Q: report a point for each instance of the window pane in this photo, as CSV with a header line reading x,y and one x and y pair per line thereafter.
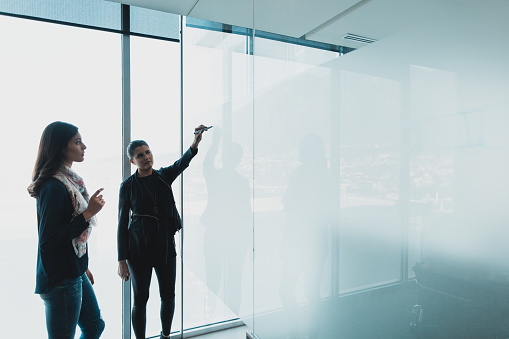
x,y
53,72
155,104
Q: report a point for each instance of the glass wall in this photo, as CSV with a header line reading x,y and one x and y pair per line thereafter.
x,y
295,175
53,72
409,142
370,236
458,163
218,185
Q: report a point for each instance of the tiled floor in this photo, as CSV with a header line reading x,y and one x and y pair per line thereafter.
x,y
233,333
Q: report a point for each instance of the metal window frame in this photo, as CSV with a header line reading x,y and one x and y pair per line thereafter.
x,y
97,28
126,139
181,28
254,33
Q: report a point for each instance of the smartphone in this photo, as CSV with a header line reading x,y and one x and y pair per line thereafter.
x,y
203,129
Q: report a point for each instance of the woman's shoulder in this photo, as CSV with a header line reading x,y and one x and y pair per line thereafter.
x,y
52,188
53,184
127,182
162,174
128,179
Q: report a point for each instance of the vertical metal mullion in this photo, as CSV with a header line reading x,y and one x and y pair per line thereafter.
x,y
404,182
182,176
337,105
126,138
252,51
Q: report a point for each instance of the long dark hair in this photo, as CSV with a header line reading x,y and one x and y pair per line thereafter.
x,y
50,156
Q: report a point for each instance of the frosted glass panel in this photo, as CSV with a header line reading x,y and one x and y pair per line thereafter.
x,y
370,238
295,199
218,241
414,132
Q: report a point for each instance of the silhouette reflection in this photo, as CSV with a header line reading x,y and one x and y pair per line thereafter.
x,y
308,207
227,219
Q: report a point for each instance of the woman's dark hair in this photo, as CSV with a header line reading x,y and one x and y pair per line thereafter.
x,y
50,156
133,145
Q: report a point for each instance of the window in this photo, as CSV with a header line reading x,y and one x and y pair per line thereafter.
x,y
54,72
155,118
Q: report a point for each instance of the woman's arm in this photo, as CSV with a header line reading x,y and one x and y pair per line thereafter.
x,y
54,207
172,172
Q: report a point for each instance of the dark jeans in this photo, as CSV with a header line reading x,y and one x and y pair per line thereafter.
x,y
141,274
72,303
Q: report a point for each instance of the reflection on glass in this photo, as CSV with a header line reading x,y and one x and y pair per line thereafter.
x,y
308,206
423,147
217,186
292,192
227,220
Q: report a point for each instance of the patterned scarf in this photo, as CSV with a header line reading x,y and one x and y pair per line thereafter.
x,y
79,197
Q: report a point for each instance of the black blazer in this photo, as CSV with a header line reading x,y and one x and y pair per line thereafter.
x,y
56,260
141,231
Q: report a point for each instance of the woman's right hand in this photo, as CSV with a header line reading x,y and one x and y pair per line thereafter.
x,y
123,270
95,204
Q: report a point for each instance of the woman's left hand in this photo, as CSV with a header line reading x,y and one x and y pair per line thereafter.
x,y
90,276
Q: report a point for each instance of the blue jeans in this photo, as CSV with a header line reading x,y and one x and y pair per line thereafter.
x,y
72,303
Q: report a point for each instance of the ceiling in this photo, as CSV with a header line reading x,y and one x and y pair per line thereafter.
x,y
325,21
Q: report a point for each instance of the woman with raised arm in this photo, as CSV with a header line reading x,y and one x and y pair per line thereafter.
x,y
147,222
65,214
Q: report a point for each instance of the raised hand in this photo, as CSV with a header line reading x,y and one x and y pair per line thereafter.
x,y
198,136
95,204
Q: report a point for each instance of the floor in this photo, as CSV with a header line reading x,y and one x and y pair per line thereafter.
x,y
374,314
381,313
233,333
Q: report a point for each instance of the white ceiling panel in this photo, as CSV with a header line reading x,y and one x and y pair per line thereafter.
x,y
322,20
182,7
292,18
231,12
378,20
296,18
